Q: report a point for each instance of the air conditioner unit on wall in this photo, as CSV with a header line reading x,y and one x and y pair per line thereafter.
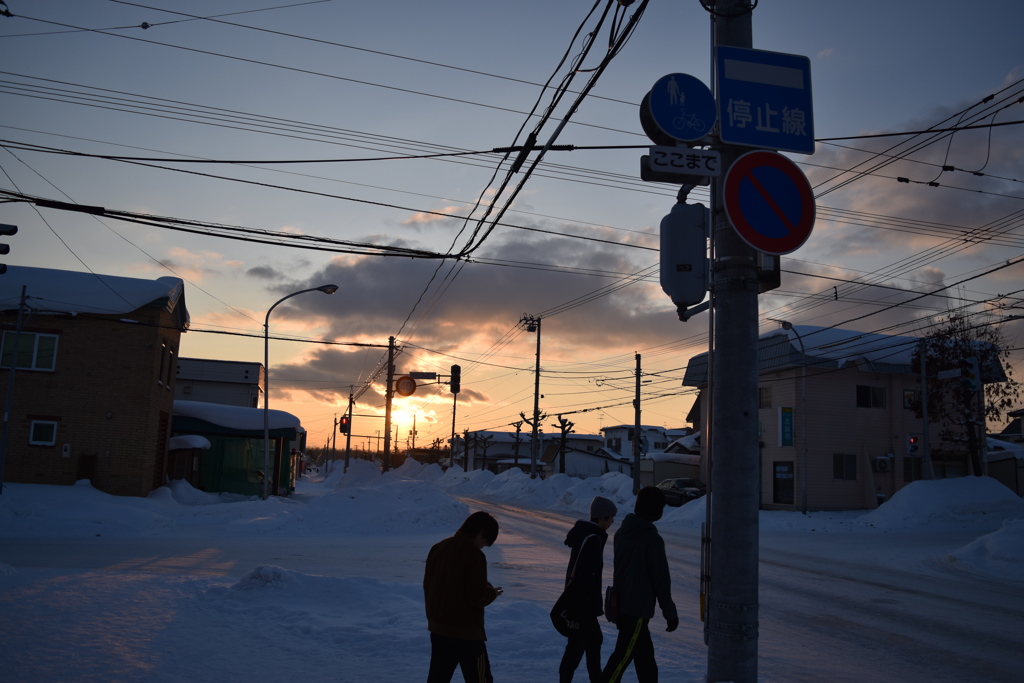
x,y
881,464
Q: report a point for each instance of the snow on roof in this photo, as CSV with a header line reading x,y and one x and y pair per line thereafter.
x,y
1003,450
235,417
690,442
845,346
188,441
65,291
630,426
683,458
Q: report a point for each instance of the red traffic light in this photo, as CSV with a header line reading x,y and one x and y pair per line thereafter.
x,y
343,424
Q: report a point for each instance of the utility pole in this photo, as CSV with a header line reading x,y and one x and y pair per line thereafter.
x,y
388,395
732,631
10,387
348,436
334,444
533,325
636,431
926,454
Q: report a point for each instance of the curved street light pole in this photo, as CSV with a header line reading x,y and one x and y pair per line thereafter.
x,y
326,289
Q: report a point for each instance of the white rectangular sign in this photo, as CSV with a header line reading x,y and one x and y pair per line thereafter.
x,y
685,161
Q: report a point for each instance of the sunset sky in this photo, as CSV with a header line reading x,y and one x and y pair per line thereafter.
x,y
344,91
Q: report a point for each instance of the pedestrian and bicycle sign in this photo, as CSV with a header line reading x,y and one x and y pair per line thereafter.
x,y
764,99
680,107
769,202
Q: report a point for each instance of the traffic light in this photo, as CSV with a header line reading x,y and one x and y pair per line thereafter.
x,y
344,424
913,442
6,248
972,376
456,381
684,271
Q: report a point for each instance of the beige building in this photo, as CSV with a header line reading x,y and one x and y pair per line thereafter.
x,y
863,438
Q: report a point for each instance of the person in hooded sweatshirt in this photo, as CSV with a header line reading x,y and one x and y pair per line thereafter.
x,y
641,577
586,565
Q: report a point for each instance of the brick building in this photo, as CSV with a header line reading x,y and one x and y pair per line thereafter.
x,y
93,385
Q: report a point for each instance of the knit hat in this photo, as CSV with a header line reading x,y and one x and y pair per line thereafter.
x,y
650,503
602,507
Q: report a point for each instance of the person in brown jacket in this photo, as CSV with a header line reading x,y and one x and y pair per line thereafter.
x,y
455,592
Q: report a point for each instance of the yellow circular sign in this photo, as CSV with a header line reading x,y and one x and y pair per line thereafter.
x,y
405,386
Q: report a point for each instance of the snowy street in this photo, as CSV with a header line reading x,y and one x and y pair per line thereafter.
x,y
186,585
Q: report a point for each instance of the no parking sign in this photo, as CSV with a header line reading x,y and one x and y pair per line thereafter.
x,y
769,202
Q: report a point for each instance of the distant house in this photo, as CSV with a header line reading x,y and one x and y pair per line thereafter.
x,y
619,438
859,418
497,451
93,360
234,383
585,456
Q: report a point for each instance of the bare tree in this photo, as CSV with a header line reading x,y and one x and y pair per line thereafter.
x,y
969,382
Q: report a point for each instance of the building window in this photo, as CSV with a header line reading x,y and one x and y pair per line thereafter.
x,y
166,365
764,397
911,398
870,397
844,466
42,433
35,351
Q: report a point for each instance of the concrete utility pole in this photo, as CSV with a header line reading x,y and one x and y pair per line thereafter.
x,y
348,436
733,608
533,325
388,395
637,433
10,387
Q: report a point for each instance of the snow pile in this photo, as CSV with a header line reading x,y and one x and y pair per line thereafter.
x,y
970,503
1000,553
614,486
36,510
459,482
389,505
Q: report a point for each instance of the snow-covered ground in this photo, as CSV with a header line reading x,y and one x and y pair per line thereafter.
x,y
325,585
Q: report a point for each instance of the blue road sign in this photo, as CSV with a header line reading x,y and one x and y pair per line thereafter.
x,y
682,107
764,99
769,202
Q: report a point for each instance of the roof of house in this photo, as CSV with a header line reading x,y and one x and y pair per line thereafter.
x,y
631,426
825,347
64,291
206,418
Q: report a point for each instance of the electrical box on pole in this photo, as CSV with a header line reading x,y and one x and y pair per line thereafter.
x,y
684,263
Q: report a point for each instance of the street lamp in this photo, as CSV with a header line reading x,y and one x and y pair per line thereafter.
x,y
326,289
788,326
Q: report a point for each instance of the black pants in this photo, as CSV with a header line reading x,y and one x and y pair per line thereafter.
x,y
633,644
470,655
589,643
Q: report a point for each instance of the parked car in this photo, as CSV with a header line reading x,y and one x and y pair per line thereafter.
x,y
682,490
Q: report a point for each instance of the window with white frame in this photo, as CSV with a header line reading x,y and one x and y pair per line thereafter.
x,y
35,351
42,433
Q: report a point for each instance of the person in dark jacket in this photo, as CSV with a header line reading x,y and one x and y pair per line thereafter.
x,y
455,593
641,577
586,565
